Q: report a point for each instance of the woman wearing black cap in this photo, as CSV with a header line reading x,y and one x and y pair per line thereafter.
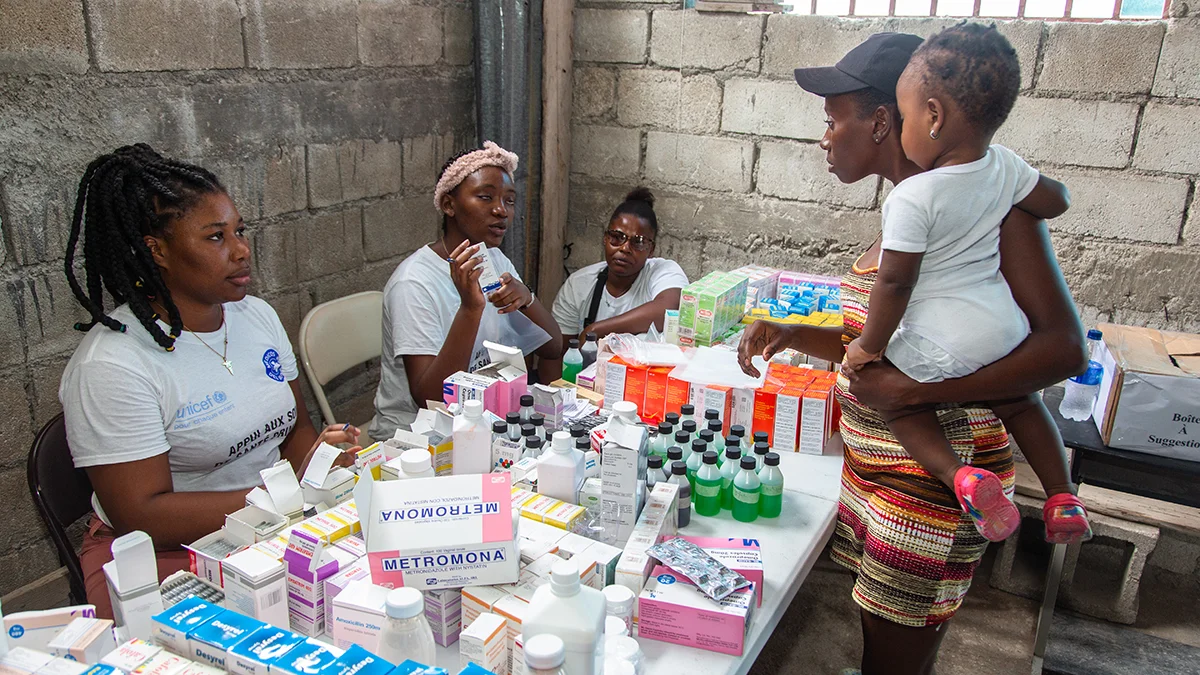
x,y
907,586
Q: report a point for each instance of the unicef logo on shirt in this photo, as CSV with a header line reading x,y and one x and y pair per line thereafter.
x,y
271,361
219,396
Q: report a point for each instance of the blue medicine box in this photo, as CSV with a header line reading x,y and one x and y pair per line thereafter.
x,y
210,644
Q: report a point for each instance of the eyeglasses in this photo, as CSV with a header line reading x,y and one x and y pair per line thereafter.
x,y
617,239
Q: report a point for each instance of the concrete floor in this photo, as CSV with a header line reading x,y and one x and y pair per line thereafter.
x,y
991,635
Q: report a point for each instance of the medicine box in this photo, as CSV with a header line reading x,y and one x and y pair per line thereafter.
x,y
210,642
256,585
452,532
163,663
513,610
194,668
86,639
171,628
358,615
103,669
359,661
411,667
443,610
255,654
61,666
358,570
23,661
743,556
307,658
658,520
130,655
477,600
671,609
485,642
36,629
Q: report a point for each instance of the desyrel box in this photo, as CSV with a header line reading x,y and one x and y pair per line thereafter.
x,y
307,658
210,643
255,654
358,661
171,628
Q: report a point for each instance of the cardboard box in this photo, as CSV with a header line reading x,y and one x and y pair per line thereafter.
x,y
359,661
1150,393
508,370
485,642
36,629
162,664
256,585
256,654
743,556
477,600
654,408
306,658
60,666
461,387
23,661
357,571
129,655
513,610
86,639
658,520
170,628
358,615
622,479
210,643
671,609
615,372
816,418
549,401
309,563
719,398
443,610
786,434
445,532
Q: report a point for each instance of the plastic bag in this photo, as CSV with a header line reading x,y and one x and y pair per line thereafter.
x,y
635,350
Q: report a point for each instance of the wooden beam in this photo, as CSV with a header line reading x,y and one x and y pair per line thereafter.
x,y
558,24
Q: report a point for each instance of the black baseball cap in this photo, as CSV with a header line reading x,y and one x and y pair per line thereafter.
x,y
876,63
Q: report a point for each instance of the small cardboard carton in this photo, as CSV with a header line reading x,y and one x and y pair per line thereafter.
x,y
444,532
671,609
1150,393
510,374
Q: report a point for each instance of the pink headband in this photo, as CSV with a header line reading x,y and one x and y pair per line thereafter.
x,y
490,155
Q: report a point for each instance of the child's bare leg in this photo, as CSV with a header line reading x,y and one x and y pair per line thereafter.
x,y
921,436
1030,423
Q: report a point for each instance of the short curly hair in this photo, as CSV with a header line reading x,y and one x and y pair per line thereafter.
x,y
976,67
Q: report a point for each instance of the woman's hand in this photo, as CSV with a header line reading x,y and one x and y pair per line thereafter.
x,y
762,338
464,272
857,357
883,386
336,434
513,296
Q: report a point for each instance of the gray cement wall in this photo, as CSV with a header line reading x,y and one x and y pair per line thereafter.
x,y
704,109
327,119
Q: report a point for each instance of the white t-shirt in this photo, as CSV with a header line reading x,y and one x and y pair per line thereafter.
x,y
419,304
126,398
575,297
953,214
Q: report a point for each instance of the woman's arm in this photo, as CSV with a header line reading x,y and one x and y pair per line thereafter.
x,y
1054,350
426,373
639,319
303,440
764,338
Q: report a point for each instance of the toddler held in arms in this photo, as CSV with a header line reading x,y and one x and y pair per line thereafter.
x,y
940,308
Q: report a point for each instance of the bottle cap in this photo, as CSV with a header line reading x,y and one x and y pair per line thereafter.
x,y
654,461
533,442
614,625
732,440
473,409
699,445
618,599
544,652
591,337
664,428
706,435
528,430
415,461
526,401
674,453
583,444
748,463
687,409
626,409
760,437
1095,334
682,437
678,468
732,453
538,419
513,418
772,459
715,426
405,603
499,427
561,442
737,430
564,578
710,457
711,414
672,418
573,343
578,431
761,448
689,426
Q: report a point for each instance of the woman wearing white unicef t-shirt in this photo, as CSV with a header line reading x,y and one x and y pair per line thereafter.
x,y
637,289
177,398
435,316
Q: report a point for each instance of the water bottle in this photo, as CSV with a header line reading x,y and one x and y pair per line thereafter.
x,y
572,362
1082,389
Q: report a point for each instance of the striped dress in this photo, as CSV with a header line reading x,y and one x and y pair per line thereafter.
x,y
899,528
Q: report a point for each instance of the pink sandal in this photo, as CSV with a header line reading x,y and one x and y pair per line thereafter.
x,y
1066,519
981,495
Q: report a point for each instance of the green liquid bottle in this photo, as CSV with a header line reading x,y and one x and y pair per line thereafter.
x,y
695,460
760,451
572,362
718,443
731,443
689,426
746,492
707,494
674,454
770,504
662,441
729,470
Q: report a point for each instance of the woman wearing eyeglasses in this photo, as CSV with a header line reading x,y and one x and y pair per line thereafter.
x,y
630,290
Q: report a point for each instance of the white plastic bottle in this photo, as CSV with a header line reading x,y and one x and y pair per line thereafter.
x,y
627,411
406,633
573,612
620,602
472,441
1082,389
415,463
544,655
560,471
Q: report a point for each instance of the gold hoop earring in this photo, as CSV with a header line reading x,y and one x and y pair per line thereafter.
x,y
933,134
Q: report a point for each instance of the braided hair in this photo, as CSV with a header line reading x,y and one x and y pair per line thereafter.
x,y
123,197
446,167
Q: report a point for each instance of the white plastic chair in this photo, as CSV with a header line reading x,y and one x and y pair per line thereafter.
x,y
337,335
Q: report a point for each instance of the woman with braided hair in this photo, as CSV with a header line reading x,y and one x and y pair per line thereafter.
x,y
185,390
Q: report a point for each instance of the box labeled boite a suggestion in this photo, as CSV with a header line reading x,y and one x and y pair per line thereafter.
x,y
443,532
1150,394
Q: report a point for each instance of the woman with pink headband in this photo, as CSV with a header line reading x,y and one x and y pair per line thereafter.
x,y
435,315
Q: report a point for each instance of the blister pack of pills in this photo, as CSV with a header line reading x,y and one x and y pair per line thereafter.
x,y
709,574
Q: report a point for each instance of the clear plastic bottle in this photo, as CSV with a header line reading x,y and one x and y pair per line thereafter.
x,y
533,446
682,440
577,431
747,491
538,421
544,655
718,441
1082,389
729,470
687,411
770,502
689,428
672,419
415,463
674,454
761,437
684,501
590,349
513,420
708,486
406,633
572,612
572,361
760,453
654,473
731,441
526,410
707,436
472,441
695,460
711,415
662,440
737,430
560,471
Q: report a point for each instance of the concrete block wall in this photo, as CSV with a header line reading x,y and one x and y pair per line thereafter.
x,y
704,109
327,119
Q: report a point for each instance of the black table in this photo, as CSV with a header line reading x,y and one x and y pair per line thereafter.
x,y
1093,463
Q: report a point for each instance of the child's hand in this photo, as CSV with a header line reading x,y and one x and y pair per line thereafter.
x,y
857,357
